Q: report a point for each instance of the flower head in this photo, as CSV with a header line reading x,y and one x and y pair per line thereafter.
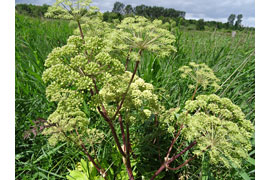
x,y
138,33
218,125
201,74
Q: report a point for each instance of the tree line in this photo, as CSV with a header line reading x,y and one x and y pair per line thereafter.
x,y
148,11
167,15
32,10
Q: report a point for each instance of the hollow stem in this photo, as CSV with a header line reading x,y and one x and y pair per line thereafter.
x,y
196,88
128,165
101,171
80,28
127,59
167,162
125,94
122,130
173,141
108,120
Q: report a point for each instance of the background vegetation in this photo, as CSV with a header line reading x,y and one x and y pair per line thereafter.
x,y
120,11
232,59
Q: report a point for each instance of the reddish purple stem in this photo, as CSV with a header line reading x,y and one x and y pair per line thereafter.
x,y
166,163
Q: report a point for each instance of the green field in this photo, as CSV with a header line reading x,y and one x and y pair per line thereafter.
x,y
232,60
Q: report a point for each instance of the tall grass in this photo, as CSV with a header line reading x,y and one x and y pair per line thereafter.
x,y
231,58
35,38
233,62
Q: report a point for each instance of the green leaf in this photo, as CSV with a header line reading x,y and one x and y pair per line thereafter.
x,y
205,178
251,161
244,175
252,152
49,153
77,175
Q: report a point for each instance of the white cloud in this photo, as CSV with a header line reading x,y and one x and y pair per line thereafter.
x,y
203,16
250,21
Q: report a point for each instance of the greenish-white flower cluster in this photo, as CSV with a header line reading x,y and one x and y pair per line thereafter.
x,y
140,99
138,33
72,10
201,75
94,26
218,125
169,118
70,72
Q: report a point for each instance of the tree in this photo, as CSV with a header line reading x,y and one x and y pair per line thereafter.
x,y
118,7
111,16
156,12
182,22
200,24
140,10
182,14
129,9
219,25
231,19
32,10
238,21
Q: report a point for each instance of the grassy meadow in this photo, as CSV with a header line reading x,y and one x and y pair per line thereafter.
x,y
232,60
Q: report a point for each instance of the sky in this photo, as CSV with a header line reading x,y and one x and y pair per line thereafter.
x,y
217,10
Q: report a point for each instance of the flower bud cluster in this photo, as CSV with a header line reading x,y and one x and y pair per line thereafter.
x,y
70,72
71,10
140,99
201,74
218,125
85,65
138,33
169,117
93,136
66,117
94,26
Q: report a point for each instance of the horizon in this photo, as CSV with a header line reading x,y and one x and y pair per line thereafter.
x,y
198,10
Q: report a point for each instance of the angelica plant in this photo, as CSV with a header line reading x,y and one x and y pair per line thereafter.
x,y
213,126
83,71
89,72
